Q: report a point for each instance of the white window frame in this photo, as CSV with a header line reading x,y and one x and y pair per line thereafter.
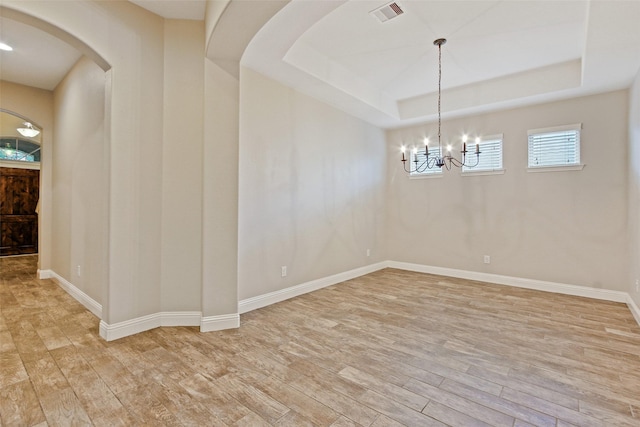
x,y
471,147
556,167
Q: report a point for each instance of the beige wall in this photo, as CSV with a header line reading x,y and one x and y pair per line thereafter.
x,y
181,271
634,190
311,188
220,193
80,180
566,227
37,105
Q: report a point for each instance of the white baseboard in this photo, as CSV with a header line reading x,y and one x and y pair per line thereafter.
x,y
180,318
540,285
634,308
128,327
219,323
84,299
44,274
260,301
145,323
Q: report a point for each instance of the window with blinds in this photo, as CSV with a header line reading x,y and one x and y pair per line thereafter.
x,y
490,155
422,157
554,147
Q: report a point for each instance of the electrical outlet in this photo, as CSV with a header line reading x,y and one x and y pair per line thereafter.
x,y
78,271
637,285
487,259
368,252
283,271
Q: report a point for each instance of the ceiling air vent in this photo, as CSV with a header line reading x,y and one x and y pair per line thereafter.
x,y
387,12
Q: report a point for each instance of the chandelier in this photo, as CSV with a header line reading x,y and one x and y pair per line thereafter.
x,y
438,160
28,130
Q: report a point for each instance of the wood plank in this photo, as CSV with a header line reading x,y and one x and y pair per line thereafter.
x,y
451,417
19,405
262,404
397,411
309,408
12,369
63,408
45,376
550,408
451,400
391,391
498,403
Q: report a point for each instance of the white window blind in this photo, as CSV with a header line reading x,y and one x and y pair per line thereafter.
x,y
559,146
422,157
490,155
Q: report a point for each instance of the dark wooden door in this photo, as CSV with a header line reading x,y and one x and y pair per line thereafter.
x,y
19,192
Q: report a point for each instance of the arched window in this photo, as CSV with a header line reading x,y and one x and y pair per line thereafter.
x,y
18,149
20,141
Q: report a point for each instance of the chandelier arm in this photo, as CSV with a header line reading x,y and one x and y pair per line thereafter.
x,y
455,162
433,161
446,162
430,162
477,161
404,164
426,164
419,168
459,163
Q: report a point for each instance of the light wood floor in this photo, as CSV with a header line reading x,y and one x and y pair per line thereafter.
x,y
388,349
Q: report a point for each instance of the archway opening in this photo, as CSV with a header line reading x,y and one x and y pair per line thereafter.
x,y
20,156
69,110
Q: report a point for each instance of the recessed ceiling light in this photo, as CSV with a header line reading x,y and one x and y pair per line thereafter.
x,y
4,46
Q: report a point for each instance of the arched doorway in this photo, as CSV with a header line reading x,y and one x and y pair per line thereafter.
x,y
74,148
20,157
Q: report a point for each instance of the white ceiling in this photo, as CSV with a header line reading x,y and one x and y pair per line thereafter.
x,y
38,59
499,53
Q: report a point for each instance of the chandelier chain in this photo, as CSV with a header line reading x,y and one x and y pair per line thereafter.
x,y
439,95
